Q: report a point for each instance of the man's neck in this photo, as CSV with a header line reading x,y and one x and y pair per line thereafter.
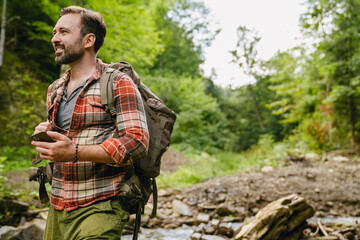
x,y
82,69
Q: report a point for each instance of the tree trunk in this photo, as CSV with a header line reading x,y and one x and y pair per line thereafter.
x,y
2,40
330,123
352,121
258,116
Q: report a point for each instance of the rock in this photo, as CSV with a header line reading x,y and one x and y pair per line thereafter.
x,y
195,236
22,221
202,218
205,206
199,228
179,197
340,159
163,193
215,222
267,169
255,210
208,229
145,220
211,237
224,210
333,212
312,157
221,198
229,219
148,208
277,220
233,225
13,206
43,215
5,229
33,230
226,231
181,208
240,210
311,176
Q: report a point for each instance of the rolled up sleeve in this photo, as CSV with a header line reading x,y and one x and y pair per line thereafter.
x,y
133,141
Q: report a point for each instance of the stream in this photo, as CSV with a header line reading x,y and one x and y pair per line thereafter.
x,y
163,234
185,232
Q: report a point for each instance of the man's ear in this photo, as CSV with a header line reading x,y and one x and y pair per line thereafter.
x,y
89,40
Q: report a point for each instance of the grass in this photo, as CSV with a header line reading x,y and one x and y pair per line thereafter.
x,y
200,166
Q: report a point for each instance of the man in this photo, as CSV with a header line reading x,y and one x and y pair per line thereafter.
x,y
90,163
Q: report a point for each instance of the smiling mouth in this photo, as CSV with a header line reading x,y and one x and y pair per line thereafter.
x,y
59,48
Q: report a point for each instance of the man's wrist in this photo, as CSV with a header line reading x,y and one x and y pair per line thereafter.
x,y
76,153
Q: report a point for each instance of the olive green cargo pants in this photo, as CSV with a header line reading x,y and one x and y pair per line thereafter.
x,y
101,220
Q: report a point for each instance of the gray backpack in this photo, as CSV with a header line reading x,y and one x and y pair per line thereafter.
x,y
160,120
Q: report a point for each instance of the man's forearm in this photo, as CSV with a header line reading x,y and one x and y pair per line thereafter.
x,y
64,150
93,153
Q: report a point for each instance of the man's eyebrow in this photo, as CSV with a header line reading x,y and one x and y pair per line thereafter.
x,y
61,28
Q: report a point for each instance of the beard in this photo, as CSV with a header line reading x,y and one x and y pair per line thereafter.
x,y
70,54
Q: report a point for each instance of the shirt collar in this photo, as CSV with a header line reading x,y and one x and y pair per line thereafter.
x,y
100,67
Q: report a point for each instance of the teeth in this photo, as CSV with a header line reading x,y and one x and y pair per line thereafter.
x,y
58,49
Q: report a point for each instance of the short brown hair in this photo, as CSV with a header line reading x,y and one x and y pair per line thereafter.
x,y
91,22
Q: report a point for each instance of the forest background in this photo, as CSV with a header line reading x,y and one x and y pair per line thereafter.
x,y
305,98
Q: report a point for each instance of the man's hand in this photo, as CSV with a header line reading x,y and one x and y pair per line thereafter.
x,y
43,126
60,151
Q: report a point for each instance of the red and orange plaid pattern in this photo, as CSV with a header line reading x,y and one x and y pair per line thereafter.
x,y
84,183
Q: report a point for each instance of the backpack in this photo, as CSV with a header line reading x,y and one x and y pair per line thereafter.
x,y
160,119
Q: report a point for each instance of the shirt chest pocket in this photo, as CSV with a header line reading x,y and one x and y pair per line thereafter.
x,y
95,113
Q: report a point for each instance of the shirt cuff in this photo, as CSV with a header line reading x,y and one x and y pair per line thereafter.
x,y
116,151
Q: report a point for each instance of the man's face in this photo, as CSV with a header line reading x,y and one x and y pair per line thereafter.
x,y
67,40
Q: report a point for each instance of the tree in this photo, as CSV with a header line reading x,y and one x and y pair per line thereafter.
x,y
2,37
335,23
245,55
184,27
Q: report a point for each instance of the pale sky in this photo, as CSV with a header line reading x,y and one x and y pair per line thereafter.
x,y
276,21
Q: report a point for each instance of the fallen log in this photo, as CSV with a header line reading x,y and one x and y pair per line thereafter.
x,y
281,219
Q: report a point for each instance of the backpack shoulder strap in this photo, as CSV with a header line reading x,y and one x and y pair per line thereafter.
x,y
106,92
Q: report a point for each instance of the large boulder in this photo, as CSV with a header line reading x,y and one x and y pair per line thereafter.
x,y
280,219
33,230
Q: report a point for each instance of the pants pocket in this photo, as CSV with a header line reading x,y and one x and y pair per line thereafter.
x,y
120,208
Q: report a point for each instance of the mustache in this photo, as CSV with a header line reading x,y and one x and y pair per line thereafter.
x,y
59,45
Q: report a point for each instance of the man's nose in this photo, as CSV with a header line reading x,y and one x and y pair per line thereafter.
x,y
55,38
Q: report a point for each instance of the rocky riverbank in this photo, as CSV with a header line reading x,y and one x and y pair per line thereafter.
x,y
219,207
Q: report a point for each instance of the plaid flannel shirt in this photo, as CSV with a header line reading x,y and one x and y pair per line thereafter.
x,y
83,183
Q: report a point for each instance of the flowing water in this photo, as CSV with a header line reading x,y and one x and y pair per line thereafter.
x,y
162,234
184,232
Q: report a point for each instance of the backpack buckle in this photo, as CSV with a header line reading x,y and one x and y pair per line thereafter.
x,y
113,112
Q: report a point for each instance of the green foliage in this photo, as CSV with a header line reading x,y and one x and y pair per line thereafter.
x,y
245,53
199,123
131,31
14,167
2,177
184,32
28,35
311,95
17,158
21,95
320,90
